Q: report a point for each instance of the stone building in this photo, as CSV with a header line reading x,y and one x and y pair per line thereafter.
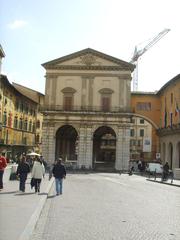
x,y
87,110
169,131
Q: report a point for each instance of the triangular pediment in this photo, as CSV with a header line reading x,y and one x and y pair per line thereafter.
x,y
88,58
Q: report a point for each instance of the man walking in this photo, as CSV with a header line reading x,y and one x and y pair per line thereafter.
x,y
59,172
3,164
22,171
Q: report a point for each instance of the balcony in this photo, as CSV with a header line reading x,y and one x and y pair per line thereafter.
x,y
169,130
81,109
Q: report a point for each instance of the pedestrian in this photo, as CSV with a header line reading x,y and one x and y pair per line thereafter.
x,y
38,172
59,172
165,171
22,171
3,164
44,162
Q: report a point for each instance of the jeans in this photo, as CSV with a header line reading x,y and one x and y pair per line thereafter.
x,y
1,179
59,183
22,181
37,183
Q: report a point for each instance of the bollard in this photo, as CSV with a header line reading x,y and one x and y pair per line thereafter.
x,y
172,177
155,175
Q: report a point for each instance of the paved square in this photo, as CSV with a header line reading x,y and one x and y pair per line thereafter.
x,y
111,207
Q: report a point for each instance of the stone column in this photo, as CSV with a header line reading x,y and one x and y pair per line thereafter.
x,y
81,147
122,149
85,147
88,148
48,142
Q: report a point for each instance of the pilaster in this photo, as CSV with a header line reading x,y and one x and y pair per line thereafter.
x,y
85,147
122,149
48,143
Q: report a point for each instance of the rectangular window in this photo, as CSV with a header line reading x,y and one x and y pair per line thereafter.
x,y
105,104
132,120
68,101
141,133
143,106
141,121
132,132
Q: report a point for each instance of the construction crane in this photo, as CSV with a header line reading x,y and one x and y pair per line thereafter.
x,y
139,53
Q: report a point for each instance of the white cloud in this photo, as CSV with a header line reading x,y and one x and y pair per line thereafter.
x,y
17,24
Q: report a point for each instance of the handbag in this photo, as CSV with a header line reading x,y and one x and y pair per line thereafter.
x,y
32,182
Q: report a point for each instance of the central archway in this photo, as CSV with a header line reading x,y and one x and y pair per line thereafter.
x,y
104,148
66,138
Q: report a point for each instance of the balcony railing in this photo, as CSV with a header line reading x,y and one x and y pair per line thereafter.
x,y
62,108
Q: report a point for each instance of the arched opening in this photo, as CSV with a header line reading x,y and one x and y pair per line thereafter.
x,y
104,148
66,138
170,155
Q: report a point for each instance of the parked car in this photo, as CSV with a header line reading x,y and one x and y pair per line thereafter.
x,y
152,167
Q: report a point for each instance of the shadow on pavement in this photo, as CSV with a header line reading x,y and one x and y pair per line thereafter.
x,y
52,196
8,192
24,194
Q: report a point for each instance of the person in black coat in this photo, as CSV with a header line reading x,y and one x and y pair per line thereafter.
x,y
59,172
22,171
165,171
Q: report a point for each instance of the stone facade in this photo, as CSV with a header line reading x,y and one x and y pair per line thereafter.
x,y
169,131
86,110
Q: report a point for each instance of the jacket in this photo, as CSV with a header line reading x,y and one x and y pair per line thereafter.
x,y
38,170
59,171
23,168
3,163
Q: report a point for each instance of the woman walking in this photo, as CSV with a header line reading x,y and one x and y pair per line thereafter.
x,y
38,172
3,164
22,171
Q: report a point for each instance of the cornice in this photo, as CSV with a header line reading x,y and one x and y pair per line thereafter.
x,y
90,75
175,129
94,68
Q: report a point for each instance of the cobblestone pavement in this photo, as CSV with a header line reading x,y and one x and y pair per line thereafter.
x,y
111,207
18,209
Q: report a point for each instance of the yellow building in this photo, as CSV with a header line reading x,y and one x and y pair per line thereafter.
x,y
18,118
39,99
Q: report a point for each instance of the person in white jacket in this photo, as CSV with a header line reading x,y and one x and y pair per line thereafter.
x,y
38,172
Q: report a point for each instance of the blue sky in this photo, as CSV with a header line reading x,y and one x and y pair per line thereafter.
x,y
36,31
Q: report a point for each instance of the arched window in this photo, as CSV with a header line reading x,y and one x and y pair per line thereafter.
x,y
30,126
68,98
33,127
16,122
26,125
20,123
10,120
5,118
106,95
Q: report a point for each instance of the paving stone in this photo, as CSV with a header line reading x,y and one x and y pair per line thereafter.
x,y
111,207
